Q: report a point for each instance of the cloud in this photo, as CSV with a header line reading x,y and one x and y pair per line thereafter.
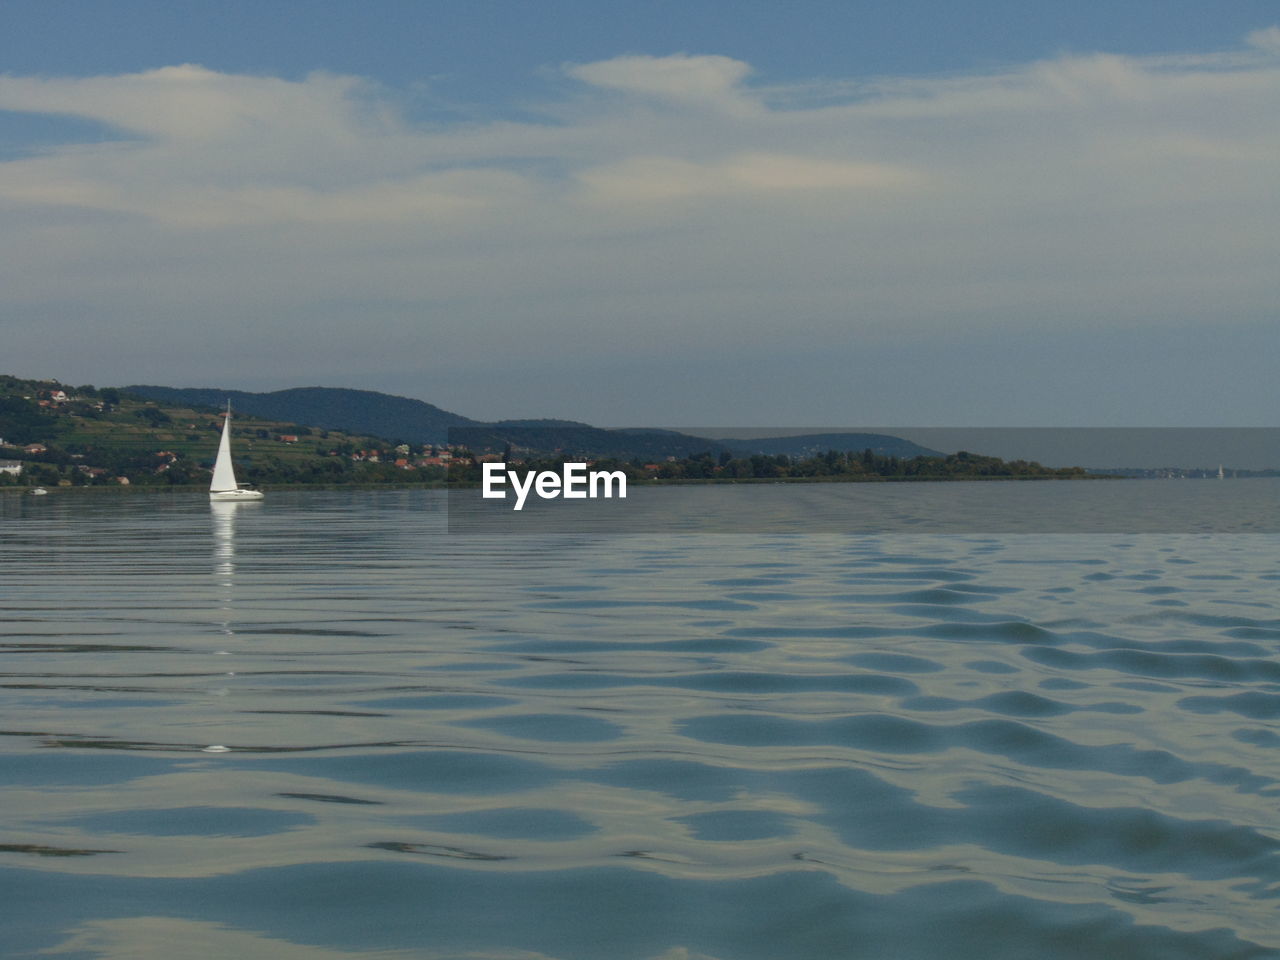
x,y
191,103
1096,79
668,204
762,176
448,196
1267,39
701,81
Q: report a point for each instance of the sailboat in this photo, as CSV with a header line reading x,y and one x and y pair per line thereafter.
x,y
224,486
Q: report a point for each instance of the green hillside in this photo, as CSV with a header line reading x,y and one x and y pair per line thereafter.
x,y
418,422
81,435
364,412
52,434
368,412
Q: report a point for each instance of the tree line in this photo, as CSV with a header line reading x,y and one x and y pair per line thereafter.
x,y
833,465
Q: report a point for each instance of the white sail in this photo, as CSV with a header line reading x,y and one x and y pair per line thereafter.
x,y
224,474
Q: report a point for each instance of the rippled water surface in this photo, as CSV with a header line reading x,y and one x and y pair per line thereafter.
x,y
320,727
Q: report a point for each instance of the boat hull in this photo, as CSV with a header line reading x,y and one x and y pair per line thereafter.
x,y
235,495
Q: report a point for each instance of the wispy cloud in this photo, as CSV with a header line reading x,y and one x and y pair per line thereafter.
x,y
665,199
762,176
706,82
1267,39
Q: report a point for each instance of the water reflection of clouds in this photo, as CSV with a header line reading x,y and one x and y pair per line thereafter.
x,y
154,938
1097,506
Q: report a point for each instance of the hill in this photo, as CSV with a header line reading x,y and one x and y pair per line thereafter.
x,y
71,436
325,408
412,421
65,435
417,422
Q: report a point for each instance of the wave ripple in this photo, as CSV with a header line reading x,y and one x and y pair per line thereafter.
x,y
635,746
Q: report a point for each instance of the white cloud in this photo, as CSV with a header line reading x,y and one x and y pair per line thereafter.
x,y
759,176
191,103
706,81
1267,39
670,202
1097,79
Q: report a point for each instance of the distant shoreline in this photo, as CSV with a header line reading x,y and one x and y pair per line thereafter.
x,y
110,489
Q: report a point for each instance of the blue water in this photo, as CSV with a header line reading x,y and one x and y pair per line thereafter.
x,y
320,727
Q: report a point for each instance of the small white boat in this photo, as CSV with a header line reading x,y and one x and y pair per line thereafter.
x,y
39,492
223,486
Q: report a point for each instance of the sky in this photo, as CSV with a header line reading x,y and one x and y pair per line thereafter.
x,y
998,213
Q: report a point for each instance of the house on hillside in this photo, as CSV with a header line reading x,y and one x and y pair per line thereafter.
x,y
11,467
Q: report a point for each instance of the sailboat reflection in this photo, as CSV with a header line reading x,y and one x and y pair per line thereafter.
x,y
224,538
223,515
224,556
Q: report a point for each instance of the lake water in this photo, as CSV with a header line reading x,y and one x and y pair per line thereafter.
x,y
322,727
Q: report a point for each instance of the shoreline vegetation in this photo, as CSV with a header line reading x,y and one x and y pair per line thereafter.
x,y
833,466
44,469
56,436
692,470
187,488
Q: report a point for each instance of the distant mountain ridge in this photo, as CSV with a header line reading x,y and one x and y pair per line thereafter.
x,y
327,408
404,419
